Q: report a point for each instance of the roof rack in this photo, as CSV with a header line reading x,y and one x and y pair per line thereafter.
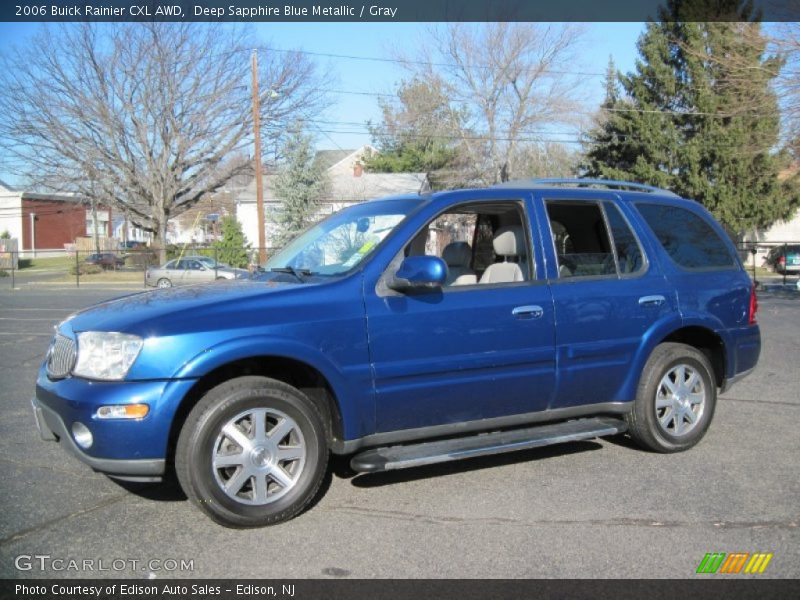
x,y
580,182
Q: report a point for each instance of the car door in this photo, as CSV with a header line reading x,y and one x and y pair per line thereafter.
x,y
607,294
197,272
462,353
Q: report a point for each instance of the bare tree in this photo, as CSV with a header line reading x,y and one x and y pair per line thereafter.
x,y
509,79
147,116
787,42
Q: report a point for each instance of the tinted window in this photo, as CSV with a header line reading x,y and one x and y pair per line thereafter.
x,y
581,239
629,253
687,238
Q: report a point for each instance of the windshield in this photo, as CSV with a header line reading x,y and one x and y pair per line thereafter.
x,y
342,241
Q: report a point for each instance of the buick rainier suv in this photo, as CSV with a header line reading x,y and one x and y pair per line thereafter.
x,y
408,331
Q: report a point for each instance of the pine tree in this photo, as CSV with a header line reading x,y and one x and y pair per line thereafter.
x,y
698,116
420,135
299,185
232,248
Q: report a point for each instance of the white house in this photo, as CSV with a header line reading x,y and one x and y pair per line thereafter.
x,y
349,184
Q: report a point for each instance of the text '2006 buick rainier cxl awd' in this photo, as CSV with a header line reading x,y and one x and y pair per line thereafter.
x,y
409,331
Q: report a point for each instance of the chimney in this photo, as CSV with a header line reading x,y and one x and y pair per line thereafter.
x,y
358,169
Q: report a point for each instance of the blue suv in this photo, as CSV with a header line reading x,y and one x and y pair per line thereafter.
x,y
408,331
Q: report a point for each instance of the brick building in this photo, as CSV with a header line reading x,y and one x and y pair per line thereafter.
x,y
48,221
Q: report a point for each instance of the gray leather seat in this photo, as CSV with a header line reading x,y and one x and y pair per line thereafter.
x,y
458,255
509,242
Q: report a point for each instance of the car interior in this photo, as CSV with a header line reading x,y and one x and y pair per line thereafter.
x,y
480,243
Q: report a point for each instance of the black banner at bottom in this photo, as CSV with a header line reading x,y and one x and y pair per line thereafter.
x,y
357,589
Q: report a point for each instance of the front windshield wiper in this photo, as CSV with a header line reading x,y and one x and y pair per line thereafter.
x,y
298,273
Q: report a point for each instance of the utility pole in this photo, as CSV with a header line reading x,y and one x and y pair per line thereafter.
x,y
262,249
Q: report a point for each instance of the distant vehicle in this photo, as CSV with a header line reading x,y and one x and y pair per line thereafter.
x,y
785,259
106,260
190,270
131,245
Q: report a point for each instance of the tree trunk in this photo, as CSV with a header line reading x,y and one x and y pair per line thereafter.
x,y
95,232
160,234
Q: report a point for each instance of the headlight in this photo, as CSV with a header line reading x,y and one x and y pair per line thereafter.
x,y
105,355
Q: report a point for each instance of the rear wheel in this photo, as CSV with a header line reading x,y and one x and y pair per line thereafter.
x,y
675,401
252,452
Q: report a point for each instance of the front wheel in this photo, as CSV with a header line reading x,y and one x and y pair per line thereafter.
x,y
164,283
252,452
675,401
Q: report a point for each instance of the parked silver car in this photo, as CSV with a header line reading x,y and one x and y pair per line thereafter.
x,y
189,270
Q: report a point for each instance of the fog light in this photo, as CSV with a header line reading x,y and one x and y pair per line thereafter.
x,y
82,435
123,411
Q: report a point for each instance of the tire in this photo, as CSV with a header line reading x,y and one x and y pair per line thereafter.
x,y
164,283
668,416
272,470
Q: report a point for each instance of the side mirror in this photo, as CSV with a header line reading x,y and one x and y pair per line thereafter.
x,y
417,272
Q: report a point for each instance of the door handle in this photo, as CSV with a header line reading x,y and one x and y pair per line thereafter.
x,y
652,300
530,311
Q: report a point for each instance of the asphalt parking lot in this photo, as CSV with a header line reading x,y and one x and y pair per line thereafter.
x,y
591,509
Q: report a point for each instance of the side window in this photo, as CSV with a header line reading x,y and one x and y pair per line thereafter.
x,y
629,252
479,242
581,240
195,265
170,264
688,239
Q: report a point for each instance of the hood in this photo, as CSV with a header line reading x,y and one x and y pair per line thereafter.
x,y
181,309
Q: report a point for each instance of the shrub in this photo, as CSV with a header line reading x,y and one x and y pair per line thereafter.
x,y
85,269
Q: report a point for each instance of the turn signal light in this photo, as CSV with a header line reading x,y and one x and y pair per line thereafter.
x,y
123,411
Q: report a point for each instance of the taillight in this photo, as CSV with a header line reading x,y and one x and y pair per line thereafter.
x,y
753,306
781,260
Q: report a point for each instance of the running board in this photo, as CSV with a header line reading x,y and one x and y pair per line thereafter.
x,y
428,453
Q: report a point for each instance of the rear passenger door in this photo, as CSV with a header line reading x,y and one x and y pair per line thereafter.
x,y
606,293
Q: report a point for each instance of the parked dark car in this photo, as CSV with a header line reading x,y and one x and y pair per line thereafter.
x,y
785,259
410,331
107,260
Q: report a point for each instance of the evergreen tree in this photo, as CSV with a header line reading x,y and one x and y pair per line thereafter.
x,y
418,136
299,185
698,116
232,248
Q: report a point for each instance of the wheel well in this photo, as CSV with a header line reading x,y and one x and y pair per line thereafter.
x,y
295,373
708,342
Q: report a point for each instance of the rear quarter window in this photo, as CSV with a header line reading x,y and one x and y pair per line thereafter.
x,y
688,239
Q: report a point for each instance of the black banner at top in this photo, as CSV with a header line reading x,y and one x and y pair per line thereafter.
x,y
381,10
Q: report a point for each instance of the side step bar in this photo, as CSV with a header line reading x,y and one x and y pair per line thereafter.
x,y
428,453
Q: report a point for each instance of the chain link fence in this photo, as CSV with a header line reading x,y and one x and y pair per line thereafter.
x,y
771,260
131,267
141,266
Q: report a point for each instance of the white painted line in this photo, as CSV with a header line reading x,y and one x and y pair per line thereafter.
x,y
50,320
26,334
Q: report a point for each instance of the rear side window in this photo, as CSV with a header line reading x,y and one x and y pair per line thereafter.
x,y
629,253
688,239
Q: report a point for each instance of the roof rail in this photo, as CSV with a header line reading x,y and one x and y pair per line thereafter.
x,y
581,182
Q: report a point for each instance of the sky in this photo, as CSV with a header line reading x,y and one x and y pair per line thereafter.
x,y
377,40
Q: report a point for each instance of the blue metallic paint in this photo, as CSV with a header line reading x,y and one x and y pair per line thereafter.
x,y
406,361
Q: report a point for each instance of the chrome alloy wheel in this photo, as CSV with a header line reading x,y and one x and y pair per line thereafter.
x,y
258,456
680,400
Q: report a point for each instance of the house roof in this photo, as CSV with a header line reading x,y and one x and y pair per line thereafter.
x,y
344,186
325,159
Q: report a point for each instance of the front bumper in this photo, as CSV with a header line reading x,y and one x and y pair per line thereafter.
x,y
134,449
51,428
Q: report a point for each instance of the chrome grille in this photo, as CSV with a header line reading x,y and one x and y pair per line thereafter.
x,y
61,356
